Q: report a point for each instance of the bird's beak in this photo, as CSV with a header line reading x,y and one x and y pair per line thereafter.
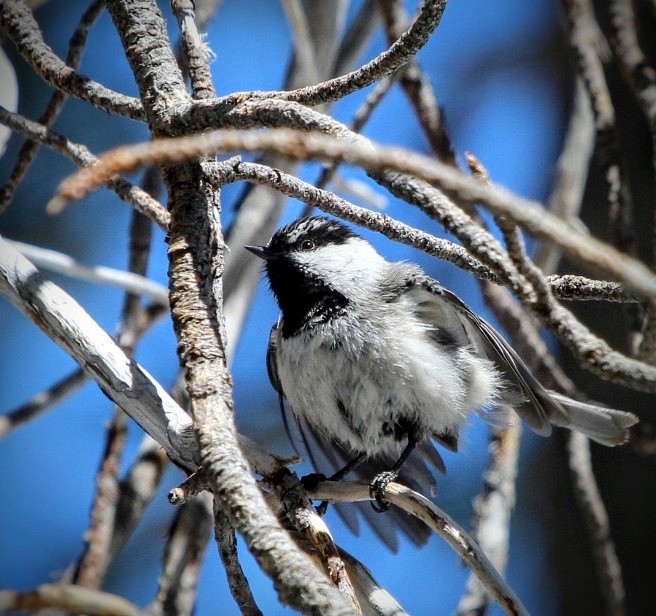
x,y
264,252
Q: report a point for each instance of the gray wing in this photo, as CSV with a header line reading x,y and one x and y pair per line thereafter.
x,y
328,457
445,311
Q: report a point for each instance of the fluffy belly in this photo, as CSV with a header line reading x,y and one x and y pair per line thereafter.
x,y
367,403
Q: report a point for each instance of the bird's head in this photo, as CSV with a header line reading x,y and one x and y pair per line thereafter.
x,y
314,258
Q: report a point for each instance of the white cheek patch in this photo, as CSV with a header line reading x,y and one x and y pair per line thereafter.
x,y
346,267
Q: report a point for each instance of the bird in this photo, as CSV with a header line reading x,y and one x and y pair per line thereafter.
x,y
379,362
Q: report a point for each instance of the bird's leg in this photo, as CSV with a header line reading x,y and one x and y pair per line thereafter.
x,y
379,483
347,468
310,481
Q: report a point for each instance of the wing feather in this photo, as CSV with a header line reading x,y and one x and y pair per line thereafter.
x,y
443,309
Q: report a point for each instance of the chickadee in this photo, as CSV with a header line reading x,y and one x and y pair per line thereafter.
x,y
376,359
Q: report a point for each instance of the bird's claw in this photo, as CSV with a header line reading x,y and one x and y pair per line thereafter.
x,y
311,481
377,489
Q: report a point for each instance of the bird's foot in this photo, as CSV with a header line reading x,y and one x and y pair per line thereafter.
x,y
377,488
310,482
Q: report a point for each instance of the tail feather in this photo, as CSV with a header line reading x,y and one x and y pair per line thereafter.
x,y
609,427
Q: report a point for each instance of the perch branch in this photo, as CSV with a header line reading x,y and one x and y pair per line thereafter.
x,y
419,506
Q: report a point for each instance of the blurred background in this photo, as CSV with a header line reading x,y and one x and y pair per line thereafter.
x,y
503,76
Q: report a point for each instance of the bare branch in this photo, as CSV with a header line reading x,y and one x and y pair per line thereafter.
x,y
137,489
592,505
196,52
587,40
493,509
183,557
69,598
356,37
571,172
304,47
580,288
299,145
418,89
372,598
42,402
143,32
405,47
331,204
640,74
81,156
63,264
94,562
533,348
122,379
241,592
21,28
29,150
423,509
313,534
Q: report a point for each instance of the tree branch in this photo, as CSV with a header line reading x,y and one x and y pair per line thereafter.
x,y
423,509
21,28
299,145
81,156
56,103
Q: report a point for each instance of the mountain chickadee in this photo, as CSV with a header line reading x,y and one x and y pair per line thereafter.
x,y
376,358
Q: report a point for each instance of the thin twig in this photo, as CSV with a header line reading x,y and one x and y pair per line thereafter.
x,y
356,37
81,156
639,73
92,566
19,25
418,88
304,45
492,509
360,118
42,401
533,348
405,47
56,103
585,38
580,288
331,204
183,557
571,172
61,263
608,566
68,385
224,535
94,562
137,489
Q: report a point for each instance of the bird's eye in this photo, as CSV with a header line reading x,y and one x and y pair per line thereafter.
x,y
307,245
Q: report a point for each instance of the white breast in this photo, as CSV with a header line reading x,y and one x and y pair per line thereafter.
x,y
350,378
